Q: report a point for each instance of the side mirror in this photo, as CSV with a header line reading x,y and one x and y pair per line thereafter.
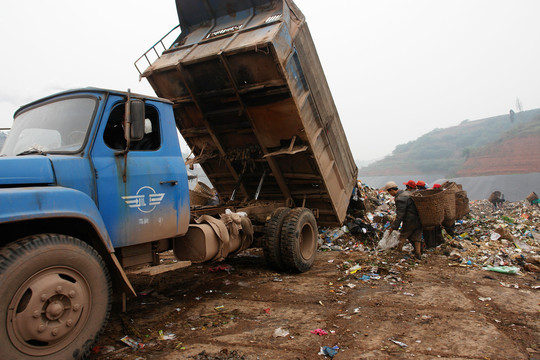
x,y
137,120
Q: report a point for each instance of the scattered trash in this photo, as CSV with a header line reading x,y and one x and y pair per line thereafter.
x,y
146,292
329,351
389,240
103,350
503,269
169,336
403,345
408,294
319,332
280,332
223,267
132,343
509,236
354,269
515,286
267,310
484,298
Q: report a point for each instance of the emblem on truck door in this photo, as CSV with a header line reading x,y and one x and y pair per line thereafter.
x,y
146,199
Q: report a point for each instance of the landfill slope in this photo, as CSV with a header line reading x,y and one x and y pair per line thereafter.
x,y
492,146
358,301
511,156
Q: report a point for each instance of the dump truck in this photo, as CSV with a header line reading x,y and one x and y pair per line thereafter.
x,y
94,187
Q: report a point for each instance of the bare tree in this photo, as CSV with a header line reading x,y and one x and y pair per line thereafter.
x,y
519,106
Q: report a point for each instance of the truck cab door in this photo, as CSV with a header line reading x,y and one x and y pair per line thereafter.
x,y
153,202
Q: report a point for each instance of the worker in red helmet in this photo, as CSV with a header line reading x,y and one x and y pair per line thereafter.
x,y
436,186
420,185
410,185
406,216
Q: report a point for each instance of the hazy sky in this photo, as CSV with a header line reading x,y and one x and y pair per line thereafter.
x,y
397,68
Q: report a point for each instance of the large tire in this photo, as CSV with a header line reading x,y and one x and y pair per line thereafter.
x,y
56,298
272,238
299,240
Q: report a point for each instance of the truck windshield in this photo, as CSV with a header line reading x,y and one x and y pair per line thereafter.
x,y
57,126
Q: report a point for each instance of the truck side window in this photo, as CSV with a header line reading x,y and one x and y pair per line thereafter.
x,y
114,131
151,139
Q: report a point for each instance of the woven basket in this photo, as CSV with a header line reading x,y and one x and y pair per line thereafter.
x,y
198,198
450,206
203,189
462,204
494,196
531,197
450,185
430,205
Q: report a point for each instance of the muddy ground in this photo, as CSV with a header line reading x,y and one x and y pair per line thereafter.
x,y
428,309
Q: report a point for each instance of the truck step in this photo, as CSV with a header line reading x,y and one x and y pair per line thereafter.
x,y
160,269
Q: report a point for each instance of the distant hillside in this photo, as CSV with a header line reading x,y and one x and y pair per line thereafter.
x,y
496,145
516,152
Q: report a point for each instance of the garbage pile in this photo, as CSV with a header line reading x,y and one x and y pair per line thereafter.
x,y
505,239
371,213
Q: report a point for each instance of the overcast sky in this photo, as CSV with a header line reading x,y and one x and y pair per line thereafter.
x,y
397,68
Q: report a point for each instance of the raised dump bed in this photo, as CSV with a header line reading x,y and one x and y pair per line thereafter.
x,y
253,104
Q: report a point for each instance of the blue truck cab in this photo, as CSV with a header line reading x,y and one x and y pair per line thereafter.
x,y
91,181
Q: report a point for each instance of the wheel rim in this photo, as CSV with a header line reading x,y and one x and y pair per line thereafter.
x,y
48,311
307,241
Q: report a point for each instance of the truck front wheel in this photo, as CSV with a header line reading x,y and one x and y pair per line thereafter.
x,y
56,298
299,240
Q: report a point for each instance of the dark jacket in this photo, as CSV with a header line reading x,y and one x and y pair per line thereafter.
x,y
405,212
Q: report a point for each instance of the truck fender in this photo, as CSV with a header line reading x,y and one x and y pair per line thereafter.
x,y
55,202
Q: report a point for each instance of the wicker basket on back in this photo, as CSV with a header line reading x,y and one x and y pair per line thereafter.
x,y
198,198
462,204
450,188
531,197
496,195
204,189
430,205
200,195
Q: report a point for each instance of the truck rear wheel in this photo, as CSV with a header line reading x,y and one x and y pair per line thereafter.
x,y
272,238
56,298
299,240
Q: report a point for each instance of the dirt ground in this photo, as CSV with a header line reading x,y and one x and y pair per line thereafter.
x,y
428,309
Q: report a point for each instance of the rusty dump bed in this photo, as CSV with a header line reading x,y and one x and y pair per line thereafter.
x,y
252,102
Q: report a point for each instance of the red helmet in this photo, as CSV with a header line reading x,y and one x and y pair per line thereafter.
x,y
410,184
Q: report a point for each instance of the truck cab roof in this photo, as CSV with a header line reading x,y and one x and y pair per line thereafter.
x,y
102,91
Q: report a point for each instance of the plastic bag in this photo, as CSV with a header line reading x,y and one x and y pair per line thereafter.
x,y
503,269
389,240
